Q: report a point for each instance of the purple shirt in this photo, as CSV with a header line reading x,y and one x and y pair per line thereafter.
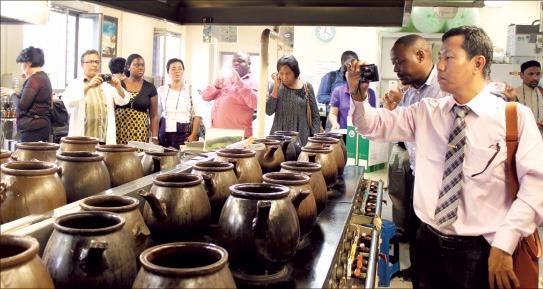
x,y
342,99
234,104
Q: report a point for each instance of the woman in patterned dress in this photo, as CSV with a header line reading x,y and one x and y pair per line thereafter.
x,y
288,100
141,113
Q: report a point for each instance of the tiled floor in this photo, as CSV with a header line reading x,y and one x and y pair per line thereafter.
x,y
386,213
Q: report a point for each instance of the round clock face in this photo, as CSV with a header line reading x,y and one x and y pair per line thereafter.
x,y
325,33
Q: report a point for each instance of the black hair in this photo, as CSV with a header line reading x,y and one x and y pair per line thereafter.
x,y
476,42
291,62
33,55
116,65
173,60
348,54
344,66
129,60
91,51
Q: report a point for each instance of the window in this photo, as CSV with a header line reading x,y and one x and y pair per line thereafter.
x,y
166,45
58,41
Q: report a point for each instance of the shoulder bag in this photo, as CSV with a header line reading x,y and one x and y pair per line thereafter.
x,y
58,113
528,251
309,115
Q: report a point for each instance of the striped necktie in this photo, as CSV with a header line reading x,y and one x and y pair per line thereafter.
x,y
449,195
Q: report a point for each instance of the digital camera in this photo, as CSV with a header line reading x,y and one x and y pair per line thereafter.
x,y
105,77
369,73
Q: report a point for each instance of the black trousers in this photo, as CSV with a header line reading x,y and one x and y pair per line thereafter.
x,y
447,261
41,134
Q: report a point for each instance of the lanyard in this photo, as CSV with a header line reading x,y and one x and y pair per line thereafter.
x,y
536,97
166,101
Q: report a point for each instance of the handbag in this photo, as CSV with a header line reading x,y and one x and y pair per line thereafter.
x,y
58,113
309,115
528,251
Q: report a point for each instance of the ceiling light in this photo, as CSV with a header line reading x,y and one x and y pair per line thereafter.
x,y
496,3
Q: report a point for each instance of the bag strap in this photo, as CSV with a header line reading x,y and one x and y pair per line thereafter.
x,y
309,116
511,138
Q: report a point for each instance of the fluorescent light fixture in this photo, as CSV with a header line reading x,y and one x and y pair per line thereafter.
x,y
496,3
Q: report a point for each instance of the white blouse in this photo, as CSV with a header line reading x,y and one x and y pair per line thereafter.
x,y
177,104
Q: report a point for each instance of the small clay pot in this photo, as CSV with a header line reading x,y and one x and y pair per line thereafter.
x,y
78,144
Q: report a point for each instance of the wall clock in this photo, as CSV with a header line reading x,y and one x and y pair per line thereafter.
x,y
325,33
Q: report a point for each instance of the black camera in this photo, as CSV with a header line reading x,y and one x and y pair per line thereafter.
x,y
105,77
369,73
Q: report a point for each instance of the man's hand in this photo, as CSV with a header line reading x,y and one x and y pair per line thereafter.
x,y
500,269
219,83
235,75
510,93
357,89
392,97
95,81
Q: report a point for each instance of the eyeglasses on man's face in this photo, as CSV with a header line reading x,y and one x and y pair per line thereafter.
x,y
92,62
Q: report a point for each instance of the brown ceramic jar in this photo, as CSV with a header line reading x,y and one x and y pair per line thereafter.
x,y
42,151
29,187
83,174
177,207
218,177
5,156
286,145
316,180
271,157
323,156
259,228
338,136
336,149
153,162
295,140
246,165
20,265
126,207
122,162
184,265
301,196
78,143
89,250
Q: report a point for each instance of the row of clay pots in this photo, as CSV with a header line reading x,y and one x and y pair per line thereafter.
x,y
98,258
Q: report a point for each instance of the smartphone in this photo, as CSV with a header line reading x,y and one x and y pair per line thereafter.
x,y
496,86
392,84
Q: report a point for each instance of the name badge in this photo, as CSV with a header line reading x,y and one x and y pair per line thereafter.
x,y
171,124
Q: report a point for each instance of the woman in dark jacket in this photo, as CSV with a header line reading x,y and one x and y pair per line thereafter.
x,y
33,102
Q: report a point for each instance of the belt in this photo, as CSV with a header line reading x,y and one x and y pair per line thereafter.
x,y
455,241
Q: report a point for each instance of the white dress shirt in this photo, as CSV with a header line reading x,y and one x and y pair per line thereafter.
x,y
485,205
74,99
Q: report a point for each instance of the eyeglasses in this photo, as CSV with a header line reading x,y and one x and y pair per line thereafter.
x,y
489,161
92,62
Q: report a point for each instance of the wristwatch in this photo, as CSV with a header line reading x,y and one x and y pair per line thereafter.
x,y
155,137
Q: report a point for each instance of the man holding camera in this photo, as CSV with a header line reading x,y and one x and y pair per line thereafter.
x,y
470,225
91,100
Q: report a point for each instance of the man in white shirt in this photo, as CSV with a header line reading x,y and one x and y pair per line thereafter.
x,y
530,93
472,247
91,101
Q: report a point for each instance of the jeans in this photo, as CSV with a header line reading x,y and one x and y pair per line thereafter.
x,y
446,261
41,134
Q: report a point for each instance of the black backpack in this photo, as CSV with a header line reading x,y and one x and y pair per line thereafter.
x,y
58,113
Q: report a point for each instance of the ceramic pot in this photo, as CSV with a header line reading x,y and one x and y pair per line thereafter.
x,y
218,177
5,156
122,162
301,196
153,162
83,174
20,264
88,250
184,265
323,156
286,145
316,180
336,149
126,207
42,151
338,136
295,140
29,188
78,144
246,165
259,228
271,157
177,207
